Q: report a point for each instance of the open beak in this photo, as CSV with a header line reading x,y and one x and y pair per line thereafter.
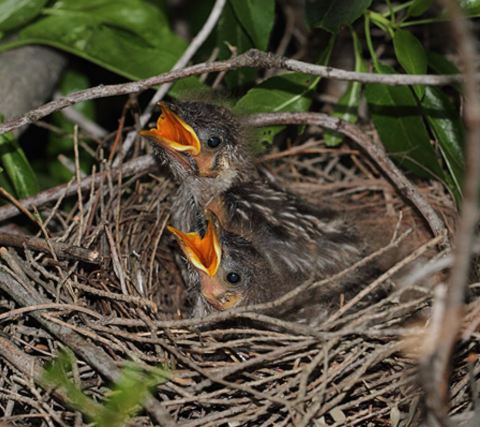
x,y
204,253
173,133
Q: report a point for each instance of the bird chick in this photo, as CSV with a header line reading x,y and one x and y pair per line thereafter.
x,y
227,271
206,149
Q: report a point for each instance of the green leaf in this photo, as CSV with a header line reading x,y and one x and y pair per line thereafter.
x,y
110,47
442,65
14,13
398,121
288,92
347,106
419,7
57,374
411,56
137,16
471,7
130,391
331,15
445,122
232,35
256,18
18,168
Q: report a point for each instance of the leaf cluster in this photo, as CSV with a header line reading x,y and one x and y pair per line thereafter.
x,y
420,126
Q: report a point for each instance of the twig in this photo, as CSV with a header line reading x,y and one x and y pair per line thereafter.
x,y
61,250
49,306
193,47
370,288
374,151
140,164
26,295
435,363
252,58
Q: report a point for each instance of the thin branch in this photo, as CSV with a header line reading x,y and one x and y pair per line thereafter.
x,y
61,250
373,150
252,58
436,361
193,47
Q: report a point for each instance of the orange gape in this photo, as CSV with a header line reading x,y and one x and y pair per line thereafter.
x,y
204,253
173,133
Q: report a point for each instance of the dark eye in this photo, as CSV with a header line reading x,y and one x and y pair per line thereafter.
x,y
214,141
233,277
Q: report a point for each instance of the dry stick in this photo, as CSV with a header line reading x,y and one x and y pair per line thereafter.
x,y
61,250
26,295
374,151
193,47
252,58
435,364
140,164
49,306
377,282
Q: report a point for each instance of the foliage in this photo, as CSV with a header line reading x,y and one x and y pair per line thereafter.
x,y
420,127
123,400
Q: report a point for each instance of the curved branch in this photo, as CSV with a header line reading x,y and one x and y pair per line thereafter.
x,y
252,58
374,151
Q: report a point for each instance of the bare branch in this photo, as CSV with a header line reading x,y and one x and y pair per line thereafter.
x,y
436,361
374,151
252,58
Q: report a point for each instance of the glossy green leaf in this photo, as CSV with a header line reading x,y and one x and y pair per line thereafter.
x,y
107,46
18,168
256,18
442,65
137,16
471,7
445,122
288,92
419,7
14,13
398,121
347,106
411,56
233,39
331,15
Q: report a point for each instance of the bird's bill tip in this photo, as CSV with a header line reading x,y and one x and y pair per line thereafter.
x,y
172,132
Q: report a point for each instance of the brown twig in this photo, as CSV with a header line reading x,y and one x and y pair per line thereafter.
x,y
140,164
61,250
373,150
25,295
436,361
252,58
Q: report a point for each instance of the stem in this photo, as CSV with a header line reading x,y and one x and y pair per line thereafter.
x,y
423,21
396,9
384,24
368,38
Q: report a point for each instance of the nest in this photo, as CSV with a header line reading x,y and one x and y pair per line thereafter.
x,y
359,367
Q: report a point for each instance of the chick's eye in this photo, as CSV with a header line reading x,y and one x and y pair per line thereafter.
x,y
214,141
233,277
